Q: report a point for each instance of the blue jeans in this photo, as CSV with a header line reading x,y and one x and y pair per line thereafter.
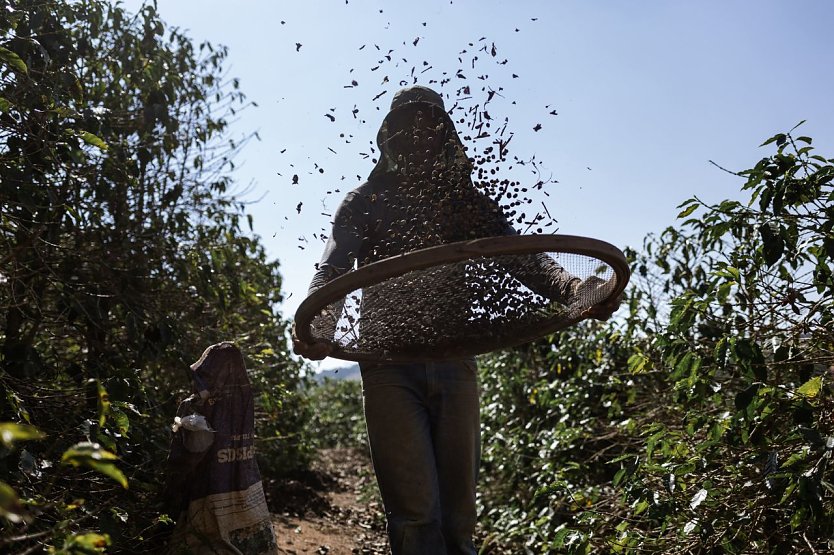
x,y
424,434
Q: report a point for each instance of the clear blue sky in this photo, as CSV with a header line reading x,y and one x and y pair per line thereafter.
x,y
646,94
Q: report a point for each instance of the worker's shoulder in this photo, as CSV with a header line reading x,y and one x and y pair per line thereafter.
x,y
365,189
364,193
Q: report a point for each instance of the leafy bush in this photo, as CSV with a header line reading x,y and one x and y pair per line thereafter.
x,y
703,420
124,255
336,415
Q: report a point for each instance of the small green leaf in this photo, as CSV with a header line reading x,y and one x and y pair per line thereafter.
x,y
11,432
788,491
729,272
13,60
10,507
86,543
93,456
689,210
103,404
799,518
641,506
688,365
5,105
560,536
720,353
637,362
86,450
93,140
795,458
811,388
121,419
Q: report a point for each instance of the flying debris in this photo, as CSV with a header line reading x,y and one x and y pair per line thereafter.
x,y
295,180
298,207
297,46
553,113
477,109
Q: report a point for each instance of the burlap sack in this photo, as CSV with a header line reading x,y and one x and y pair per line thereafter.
x,y
214,485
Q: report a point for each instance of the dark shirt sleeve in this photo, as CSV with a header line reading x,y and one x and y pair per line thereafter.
x,y
345,241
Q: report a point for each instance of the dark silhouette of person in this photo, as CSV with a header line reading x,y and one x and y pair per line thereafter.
x,y
422,417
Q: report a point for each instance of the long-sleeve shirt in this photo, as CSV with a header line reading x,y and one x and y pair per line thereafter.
x,y
363,232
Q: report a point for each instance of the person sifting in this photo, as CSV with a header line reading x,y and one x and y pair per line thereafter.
x,y
422,417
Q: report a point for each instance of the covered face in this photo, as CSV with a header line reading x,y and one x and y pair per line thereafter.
x,y
417,124
417,127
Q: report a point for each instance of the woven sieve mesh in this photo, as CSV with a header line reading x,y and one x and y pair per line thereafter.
x,y
465,308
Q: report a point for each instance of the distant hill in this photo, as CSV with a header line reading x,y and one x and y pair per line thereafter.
x,y
347,372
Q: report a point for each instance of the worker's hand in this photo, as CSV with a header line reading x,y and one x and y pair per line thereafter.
x,y
313,351
601,311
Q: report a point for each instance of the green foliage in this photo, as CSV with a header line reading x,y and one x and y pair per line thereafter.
x,y
122,256
92,455
703,420
336,416
11,432
83,544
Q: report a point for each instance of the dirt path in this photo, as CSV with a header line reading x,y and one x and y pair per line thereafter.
x,y
333,510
